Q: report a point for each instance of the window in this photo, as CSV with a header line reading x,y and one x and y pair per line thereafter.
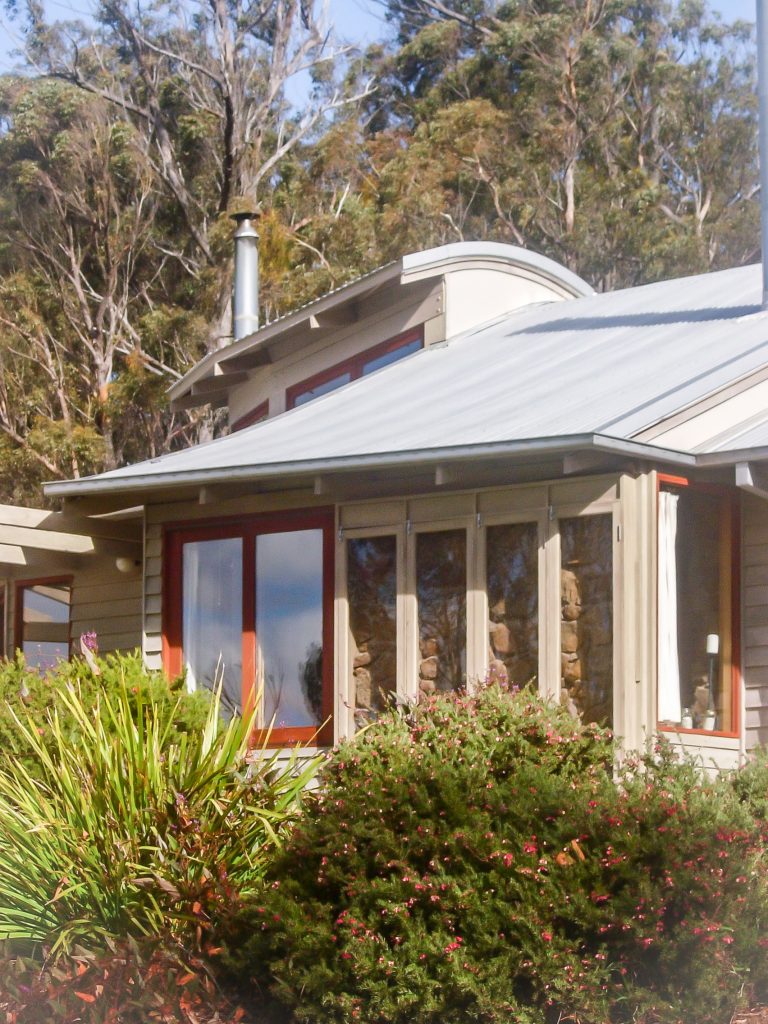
x,y
697,653
441,596
351,369
248,603
514,584
372,597
586,616
42,617
257,415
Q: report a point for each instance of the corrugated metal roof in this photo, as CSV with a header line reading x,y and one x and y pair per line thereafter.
x,y
611,364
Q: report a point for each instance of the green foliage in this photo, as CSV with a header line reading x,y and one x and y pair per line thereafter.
x,y
129,827
475,859
37,698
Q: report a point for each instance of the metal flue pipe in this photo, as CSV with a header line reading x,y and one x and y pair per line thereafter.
x,y
762,92
245,290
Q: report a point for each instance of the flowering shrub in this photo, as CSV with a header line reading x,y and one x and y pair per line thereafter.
x,y
477,859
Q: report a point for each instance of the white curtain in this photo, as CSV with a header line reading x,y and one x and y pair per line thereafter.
x,y
669,664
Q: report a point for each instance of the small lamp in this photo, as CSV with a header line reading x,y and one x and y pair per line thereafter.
x,y
125,564
713,649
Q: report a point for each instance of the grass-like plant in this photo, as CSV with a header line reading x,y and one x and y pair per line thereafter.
x,y
132,829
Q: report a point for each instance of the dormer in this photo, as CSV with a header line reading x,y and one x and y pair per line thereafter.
x,y
419,300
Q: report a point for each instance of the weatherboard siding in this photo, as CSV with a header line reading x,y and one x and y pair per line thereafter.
x,y
109,603
755,619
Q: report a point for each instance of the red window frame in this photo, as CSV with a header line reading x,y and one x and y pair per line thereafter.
x,y
18,607
729,504
353,366
176,535
261,412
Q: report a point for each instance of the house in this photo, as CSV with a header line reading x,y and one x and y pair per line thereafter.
x,y
61,576
467,462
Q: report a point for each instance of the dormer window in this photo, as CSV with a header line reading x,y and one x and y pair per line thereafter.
x,y
356,366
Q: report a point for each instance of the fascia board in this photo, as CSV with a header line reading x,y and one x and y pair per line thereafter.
x,y
347,464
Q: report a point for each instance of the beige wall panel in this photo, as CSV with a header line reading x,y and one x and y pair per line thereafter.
x,y
153,643
153,566
130,641
520,499
584,492
756,554
755,616
475,296
755,575
120,606
754,656
372,513
448,506
192,511
756,596
756,636
714,754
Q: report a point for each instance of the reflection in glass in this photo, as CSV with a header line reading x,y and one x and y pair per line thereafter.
x,y
45,624
441,592
212,617
322,389
372,593
513,601
586,628
289,627
392,356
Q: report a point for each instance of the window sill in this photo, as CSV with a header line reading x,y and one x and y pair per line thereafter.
x,y
687,735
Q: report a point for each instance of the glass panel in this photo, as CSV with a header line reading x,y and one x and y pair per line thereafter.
x,y
45,624
512,553
289,627
392,356
697,619
586,628
322,389
372,593
441,592
212,618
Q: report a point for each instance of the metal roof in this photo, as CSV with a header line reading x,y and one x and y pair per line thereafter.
x,y
605,365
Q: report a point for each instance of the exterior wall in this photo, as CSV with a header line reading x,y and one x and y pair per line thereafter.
x,y
479,294
755,618
103,599
108,602
313,355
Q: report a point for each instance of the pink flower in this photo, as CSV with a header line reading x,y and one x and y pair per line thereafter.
x,y
547,936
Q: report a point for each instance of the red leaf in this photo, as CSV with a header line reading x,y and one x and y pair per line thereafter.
x,y
86,997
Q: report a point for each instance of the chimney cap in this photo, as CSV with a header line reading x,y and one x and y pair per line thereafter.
x,y
241,215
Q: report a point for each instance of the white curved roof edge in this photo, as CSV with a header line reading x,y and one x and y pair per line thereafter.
x,y
515,255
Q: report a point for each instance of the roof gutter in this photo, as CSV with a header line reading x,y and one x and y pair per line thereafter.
x,y
529,448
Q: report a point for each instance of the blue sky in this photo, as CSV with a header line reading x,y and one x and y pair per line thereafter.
x,y
355,20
